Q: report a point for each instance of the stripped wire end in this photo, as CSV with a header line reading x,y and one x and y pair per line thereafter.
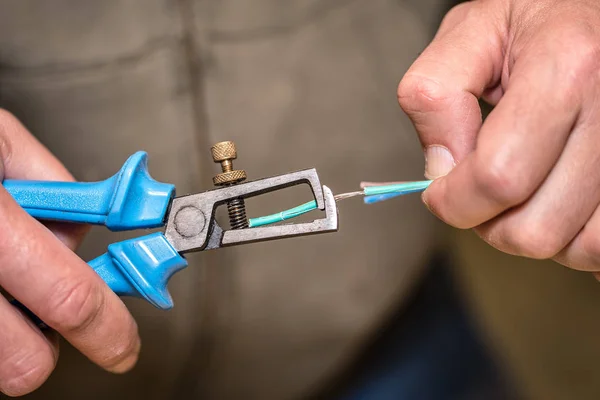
x,y
344,196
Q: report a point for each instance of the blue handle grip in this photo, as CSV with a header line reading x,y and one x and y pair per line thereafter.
x,y
141,267
131,199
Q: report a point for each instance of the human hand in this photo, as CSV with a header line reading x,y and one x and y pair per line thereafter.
x,y
528,179
50,280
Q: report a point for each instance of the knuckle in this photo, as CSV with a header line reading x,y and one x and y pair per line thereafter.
x,y
74,305
466,11
581,47
489,235
590,243
418,94
458,13
499,180
582,64
534,241
26,370
588,53
580,54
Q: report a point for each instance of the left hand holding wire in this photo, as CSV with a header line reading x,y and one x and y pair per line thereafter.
x,y
528,178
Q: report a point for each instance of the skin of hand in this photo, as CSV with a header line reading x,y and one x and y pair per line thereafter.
x,y
39,269
528,178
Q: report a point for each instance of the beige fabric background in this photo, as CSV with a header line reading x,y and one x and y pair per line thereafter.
x,y
296,84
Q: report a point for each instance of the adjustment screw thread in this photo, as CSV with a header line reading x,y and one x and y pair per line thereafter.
x,y
224,153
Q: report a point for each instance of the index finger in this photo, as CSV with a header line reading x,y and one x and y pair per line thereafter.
x,y
440,92
517,146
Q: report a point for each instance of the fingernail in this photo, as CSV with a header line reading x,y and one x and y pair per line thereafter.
x,y
438,161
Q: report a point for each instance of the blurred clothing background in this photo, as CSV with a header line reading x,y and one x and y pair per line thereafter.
x,y
296,84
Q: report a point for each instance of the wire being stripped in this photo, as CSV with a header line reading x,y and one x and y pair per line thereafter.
x,y
373,192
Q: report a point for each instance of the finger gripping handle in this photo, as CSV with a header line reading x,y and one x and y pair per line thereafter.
x,y
131,199
141,267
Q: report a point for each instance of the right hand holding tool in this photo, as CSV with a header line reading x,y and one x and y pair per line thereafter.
x,y
39,268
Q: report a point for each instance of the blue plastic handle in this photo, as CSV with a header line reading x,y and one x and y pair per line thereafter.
x,y
131,199
141,267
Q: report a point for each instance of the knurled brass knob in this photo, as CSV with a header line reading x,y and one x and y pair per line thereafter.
x,y
224,153
229,177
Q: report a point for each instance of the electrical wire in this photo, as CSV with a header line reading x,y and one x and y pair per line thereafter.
x,y
282,216
373,192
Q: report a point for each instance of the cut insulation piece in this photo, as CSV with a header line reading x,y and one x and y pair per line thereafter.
x,y
376,194
282,216
376,198
406,187
367,184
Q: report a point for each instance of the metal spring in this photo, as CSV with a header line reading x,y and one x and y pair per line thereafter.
x,y
237,214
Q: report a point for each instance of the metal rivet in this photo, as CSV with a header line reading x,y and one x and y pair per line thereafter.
x,y
189,221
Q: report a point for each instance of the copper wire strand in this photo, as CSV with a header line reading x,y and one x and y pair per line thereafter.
x,y
344,196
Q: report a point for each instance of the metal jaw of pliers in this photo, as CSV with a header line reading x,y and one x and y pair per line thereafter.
x,y
191,225
131,199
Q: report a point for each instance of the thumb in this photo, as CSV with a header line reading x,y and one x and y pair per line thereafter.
x,y
440,92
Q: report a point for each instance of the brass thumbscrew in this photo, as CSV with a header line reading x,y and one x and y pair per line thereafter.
x,y
224,153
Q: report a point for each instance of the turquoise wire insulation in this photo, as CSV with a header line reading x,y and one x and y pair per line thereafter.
x,y
282,216
376,198
398,188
